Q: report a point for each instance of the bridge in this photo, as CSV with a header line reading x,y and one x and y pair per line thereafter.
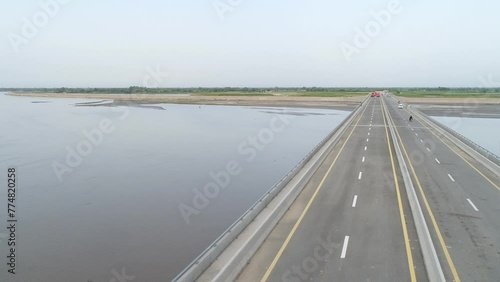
x,y
383,199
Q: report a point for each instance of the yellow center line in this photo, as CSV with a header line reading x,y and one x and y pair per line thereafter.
x,y
456,153
400,204
292,232
431,215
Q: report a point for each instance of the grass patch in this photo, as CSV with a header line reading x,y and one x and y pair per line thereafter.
x,y
285,93
231,93
446,94
329,94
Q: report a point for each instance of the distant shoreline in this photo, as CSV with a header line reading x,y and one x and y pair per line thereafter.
x,y
250,100
449,100
244,100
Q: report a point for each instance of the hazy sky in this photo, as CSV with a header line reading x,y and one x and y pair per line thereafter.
x,y
259,43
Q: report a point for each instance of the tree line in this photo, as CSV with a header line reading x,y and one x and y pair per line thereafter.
x,y
194,90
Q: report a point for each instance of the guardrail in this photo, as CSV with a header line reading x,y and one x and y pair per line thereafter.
x,y
429,254
209,255
492,161
483,151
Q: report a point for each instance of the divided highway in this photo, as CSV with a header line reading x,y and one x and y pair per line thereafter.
x,y
352,222
460,198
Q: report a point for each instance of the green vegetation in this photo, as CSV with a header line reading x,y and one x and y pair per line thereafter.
x,y
203,91
286,93
232,93
275,91
330,93
448,92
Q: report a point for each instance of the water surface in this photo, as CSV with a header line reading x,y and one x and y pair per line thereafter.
x,y
483,131
116,206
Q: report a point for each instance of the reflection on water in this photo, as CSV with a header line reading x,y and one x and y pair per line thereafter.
x,y
483,131
125,172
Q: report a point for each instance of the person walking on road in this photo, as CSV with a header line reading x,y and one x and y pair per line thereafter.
x,y
411,118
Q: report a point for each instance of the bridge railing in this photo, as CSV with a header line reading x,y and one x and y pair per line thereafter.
x,y
480,149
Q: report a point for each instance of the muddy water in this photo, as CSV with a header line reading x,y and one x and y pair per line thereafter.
x,y
141,190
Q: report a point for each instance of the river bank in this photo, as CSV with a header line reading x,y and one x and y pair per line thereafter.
x,y
264,101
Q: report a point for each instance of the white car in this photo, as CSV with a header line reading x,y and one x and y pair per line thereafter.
x,y
400,106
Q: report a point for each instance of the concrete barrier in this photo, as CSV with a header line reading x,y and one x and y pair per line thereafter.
x,y
224,259
431,261
482,155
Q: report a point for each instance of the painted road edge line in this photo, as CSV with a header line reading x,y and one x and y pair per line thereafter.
x,y
431,260
318,188
441,240
409,255
344,248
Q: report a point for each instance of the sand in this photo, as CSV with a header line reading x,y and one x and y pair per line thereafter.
x,y
270,101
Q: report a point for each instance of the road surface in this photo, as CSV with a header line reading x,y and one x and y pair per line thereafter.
x,y
352,222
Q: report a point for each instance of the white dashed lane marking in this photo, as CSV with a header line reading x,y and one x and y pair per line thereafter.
x,y
472,204
344,248
451,177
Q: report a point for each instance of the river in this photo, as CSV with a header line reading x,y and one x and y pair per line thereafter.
x,y
140,189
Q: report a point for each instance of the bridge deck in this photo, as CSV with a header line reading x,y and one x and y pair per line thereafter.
x,y
352,222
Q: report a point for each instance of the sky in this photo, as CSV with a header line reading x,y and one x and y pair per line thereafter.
x,y
249,43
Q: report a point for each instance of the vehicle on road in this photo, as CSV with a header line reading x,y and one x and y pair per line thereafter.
x,y
400,106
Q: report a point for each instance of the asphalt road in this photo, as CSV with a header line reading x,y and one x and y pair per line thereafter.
x,y
352,221
463,198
